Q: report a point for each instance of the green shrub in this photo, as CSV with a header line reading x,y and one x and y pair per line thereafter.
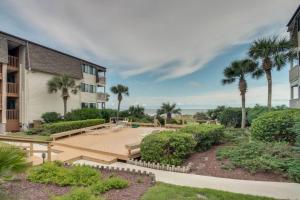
x,y
83,114
107,114
78,194
205,135
276,157
53,173
167,147
235,135
214,113
296,130
200,116
116,183
51,117
231,117
70,125
37,131
257,110
275,126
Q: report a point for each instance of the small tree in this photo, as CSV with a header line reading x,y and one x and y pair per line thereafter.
x,y
64,83
119,90
136,111
238,70
169,109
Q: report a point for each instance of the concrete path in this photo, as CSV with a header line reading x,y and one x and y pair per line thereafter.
x,y
277,190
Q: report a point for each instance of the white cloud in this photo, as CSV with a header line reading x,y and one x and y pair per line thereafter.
x,y
141,36
255,95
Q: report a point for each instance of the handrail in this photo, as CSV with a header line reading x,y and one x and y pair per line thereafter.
x,y
24,140
13,61
12,114
12,88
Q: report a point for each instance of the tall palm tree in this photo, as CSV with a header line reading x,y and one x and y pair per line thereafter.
x,y
119,90
64,83
238,70
272,52
169,109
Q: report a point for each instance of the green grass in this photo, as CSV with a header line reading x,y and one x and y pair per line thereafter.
x,y
162,191
34,137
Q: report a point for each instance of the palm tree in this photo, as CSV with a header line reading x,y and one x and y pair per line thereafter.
x,y
119,90
238,70
12,160
63,83
169,109
273,52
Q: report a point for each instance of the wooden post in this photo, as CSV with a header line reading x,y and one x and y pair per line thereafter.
x,y
49,152
31,150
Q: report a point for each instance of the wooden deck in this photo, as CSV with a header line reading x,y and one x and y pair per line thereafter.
x,y
103,146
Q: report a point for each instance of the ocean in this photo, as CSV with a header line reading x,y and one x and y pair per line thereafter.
x,y
183,111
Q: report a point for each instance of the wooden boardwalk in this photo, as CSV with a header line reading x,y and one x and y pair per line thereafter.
x,y
104,146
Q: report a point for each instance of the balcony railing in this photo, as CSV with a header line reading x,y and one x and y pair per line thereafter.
x,y
294,73
13,63
12,114
101,80
12,89
101,96
295,103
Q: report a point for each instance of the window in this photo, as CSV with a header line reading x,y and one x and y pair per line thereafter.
x,y
88,69
91,88
82,86
84,105
92,105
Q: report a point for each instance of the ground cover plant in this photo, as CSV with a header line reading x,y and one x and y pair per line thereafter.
x,y
91,181
162,191
256,156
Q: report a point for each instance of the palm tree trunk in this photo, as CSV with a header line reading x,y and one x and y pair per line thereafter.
x,y
119,104
269,79
65,106
243,110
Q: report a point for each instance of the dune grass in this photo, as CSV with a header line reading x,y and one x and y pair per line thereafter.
x,y
162,191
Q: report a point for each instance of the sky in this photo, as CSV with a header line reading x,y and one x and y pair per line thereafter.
x,y
164,51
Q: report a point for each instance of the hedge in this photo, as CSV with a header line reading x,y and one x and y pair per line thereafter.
x,y
167,147
205,135
70,125
275,126
51,117
83,114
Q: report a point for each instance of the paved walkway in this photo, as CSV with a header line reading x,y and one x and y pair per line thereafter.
x,y
277,190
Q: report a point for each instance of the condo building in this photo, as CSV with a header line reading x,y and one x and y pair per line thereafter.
x,y
294,73
26,67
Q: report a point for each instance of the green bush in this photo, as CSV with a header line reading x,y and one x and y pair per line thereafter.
x,y
296,130
116,183
167,147
70,125
236,135
275,126
107,114
53,173
37,131
257,110
231,117
51,117
200,116
78,194
205,135
83,114
214,113
276,157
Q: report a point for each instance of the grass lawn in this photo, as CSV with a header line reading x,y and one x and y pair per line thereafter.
x,y
34,137
162,191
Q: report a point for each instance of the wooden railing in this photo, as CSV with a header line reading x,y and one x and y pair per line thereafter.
x,y
30,142
13,62
12,88
294,73
12,114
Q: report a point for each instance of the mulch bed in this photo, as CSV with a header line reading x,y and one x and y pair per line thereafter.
x,y
205,163
21,189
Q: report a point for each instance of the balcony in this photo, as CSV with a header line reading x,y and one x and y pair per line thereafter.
x,y
12,114
101,80
295,103
101,97
13,64
12,89
294,74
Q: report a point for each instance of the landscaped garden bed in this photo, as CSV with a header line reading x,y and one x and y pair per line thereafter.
x,y
53,181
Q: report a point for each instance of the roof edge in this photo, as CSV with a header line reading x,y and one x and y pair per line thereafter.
x,y
292,18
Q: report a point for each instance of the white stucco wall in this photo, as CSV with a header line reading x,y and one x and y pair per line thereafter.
x,y
38,100
87,97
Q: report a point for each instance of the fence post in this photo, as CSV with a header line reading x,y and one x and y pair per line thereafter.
x,y
49,152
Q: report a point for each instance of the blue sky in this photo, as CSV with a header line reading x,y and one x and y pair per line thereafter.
x,y
163,51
